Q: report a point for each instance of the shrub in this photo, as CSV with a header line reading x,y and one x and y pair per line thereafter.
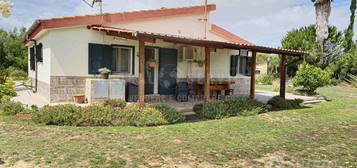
x,y
170,114
58,115
244,105
310,78
266,79
7,89
236,105
18,74
134,115
96,115
279,103
116,103
197,108
11,108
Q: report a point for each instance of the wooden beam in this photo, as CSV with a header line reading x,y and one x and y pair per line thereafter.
x,y
252,76
283,76
141,100
207,75
130,36
195,44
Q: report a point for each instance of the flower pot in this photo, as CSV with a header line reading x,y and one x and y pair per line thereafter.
x,y
79,99
105,75
152,64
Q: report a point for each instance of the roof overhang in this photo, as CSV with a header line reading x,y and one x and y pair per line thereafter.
x,y
151,37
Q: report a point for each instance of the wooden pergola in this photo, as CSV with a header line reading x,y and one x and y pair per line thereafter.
x,y
148,37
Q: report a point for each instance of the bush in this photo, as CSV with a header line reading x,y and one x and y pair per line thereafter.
x,y
116,103
278,103
197,108
170,114
310,78
18,74
96,115
11,108
140,116
7,89
236,105
58,115
266,79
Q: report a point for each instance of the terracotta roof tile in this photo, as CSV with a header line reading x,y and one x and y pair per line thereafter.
x,y
228,35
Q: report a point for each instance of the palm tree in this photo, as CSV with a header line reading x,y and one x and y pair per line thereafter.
x,y
5,6
323,11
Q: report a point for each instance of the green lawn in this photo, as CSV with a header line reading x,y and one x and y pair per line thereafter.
x,y
323,135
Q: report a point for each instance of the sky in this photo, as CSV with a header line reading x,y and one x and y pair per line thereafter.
x,y
263,22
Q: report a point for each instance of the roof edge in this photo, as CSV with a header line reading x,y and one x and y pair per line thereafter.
x,y
70,21
228,35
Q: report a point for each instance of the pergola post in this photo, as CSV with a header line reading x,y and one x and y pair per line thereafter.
x,y
252,76
141,100
282,76
207,75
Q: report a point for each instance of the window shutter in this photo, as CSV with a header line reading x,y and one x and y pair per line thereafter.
x,y
39,55
234,65
32,58
99,56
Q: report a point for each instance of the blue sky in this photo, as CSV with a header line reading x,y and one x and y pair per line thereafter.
x,y
262,22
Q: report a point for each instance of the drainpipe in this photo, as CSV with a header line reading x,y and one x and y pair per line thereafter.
x,y
36,72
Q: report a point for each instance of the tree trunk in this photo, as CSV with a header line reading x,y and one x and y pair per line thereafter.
x,y
323,10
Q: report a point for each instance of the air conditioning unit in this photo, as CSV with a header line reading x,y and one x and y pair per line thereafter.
x,y
187,53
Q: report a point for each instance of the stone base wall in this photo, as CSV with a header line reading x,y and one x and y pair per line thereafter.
x,y
42,88
64,87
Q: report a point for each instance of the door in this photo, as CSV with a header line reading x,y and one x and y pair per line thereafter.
x,y
167,71
149,72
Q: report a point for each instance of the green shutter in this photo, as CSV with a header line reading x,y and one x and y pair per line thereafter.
x,y
32,58
99,56
234,65
39,55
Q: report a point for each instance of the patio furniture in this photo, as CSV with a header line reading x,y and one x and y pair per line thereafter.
x,y
217,86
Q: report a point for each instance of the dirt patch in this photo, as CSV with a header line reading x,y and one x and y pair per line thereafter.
x,y
20,164
23,116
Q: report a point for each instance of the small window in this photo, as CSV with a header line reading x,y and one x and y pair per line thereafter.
x,y
122,58
245,64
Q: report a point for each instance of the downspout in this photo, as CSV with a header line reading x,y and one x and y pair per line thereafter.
x,y
36,71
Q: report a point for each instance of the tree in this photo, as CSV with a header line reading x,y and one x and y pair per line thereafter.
x,y
305,39
348,43
5,6
323,11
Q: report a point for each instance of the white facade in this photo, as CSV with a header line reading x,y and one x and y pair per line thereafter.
x,y
65,50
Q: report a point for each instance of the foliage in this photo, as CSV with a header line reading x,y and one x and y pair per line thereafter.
x,y
7,89
266,79
305,39
233,106
197,108
170,114
12,52
346,64
348,42
116,103
134,115
5,6
58,115
11,108
310,78
96,115
279,103
352,79
104,70
17,74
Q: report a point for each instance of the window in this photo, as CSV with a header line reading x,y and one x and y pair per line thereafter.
x,y
39,55
32,58
245,65
122,59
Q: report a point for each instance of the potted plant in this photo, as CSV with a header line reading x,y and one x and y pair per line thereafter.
x,y
104,72
152,63
199,62
79,98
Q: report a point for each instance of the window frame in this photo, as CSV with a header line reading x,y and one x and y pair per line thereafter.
x,y
132,60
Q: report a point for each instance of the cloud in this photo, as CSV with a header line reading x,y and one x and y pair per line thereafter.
x,y
263,22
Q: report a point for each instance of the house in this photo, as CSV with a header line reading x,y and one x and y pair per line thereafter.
x,y
65,52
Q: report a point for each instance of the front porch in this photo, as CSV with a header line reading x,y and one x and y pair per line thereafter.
x,y
147,38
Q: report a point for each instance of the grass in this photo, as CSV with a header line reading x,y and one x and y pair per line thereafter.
x,y
324,135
